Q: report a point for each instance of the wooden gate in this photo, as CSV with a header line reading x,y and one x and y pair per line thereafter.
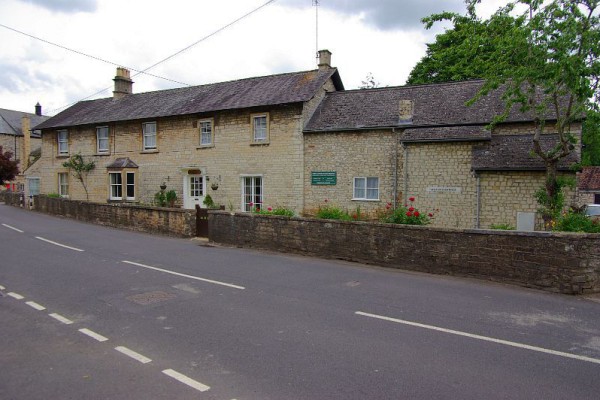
x,y
201,221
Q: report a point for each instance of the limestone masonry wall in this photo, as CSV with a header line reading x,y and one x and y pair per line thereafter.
x,y
557,262
166,221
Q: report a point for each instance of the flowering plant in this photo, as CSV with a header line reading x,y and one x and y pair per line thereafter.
x,y
407,214
277,210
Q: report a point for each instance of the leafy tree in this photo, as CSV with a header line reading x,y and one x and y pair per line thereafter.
x,y
8,168
544,57
80,168
591,139
369,83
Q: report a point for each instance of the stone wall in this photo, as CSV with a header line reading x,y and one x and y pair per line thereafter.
x,y
11,198
350,155
557,262
166,221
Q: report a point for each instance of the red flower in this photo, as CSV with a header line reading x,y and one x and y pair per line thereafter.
x,y
417,214
430,215
270,209
257,208
251,204
388,206
411,199
409,214
411,209
354,216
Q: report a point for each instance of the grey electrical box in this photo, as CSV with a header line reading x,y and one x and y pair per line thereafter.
x,y
526,221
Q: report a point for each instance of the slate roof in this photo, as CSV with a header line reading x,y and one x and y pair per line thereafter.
x,y
121,163
434,105
446,133
244,93
513,153
589,179
10,122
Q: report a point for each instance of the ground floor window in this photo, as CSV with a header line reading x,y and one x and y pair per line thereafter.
x,y
33,186
63,184
597,198
252,192
116,185
130,186
366,188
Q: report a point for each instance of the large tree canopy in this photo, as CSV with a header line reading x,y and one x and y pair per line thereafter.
x,y
544,56
8,168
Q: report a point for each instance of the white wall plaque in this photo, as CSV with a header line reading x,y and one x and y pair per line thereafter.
x,y
443,189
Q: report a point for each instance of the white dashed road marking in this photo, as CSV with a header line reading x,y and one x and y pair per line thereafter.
x,y
35,305
16,296
13,228
93,335
58,244
60,318
188,381
133,354
185,275
2,287
484,338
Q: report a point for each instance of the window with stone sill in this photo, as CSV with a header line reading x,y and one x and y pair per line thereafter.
x,y
206,132
149,136
63,142
63,184
260,128
366,188
102,141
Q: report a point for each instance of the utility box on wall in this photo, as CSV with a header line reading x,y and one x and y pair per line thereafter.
x,y
526,221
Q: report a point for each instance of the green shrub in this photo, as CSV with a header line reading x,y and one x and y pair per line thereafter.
x,y
286,212
502,227
208,202
576,222
406,215
53,195
333,212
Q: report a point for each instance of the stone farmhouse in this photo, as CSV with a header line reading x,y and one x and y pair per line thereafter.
x,y
296,140
17,137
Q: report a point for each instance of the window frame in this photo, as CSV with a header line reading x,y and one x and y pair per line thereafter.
x,y
118,186
257,199
128,185
211,122
145,147
98,140
267,138
30,180
366,188
64,141
63,181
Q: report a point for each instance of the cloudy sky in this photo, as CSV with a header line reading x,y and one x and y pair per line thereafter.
x,y
382,37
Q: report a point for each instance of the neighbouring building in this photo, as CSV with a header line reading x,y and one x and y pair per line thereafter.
x,y
17,137
588,185
298,139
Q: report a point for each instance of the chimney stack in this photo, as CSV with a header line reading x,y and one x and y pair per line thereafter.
x,y
38,109
26,149
324,59
405,111
123,84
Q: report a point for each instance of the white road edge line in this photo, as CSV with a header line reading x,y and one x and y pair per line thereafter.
x,y
484,338
93,335
60,318
133,354
35,305
15,296
58,244
188,381
185,275
13,228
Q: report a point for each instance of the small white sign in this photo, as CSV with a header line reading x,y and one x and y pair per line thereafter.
x,y
443,189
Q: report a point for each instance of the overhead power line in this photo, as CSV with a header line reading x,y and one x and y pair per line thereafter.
x,y
145,70
81,53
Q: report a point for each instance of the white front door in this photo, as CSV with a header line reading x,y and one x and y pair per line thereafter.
x,y
194,191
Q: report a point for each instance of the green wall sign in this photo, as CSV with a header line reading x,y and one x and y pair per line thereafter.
x,y
327,178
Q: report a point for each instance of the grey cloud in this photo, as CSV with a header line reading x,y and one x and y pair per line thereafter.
x,y
66,6
388,14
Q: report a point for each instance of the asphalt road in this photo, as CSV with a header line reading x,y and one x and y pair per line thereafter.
x,y
123,315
